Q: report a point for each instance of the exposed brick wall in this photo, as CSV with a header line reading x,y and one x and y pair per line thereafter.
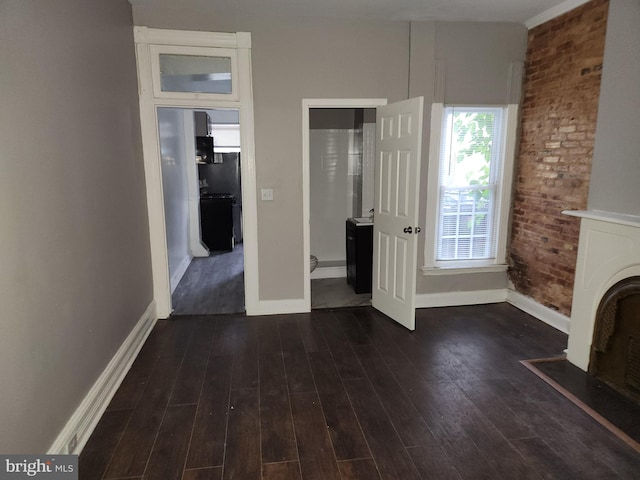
x,y
562,86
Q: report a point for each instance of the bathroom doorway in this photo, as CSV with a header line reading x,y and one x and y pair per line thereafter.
x,y
340,147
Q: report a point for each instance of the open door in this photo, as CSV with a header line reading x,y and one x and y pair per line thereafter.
x,y
395,228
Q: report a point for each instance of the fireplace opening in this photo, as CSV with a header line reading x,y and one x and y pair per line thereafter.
x,y
615,350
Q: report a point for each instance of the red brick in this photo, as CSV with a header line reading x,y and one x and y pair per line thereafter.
x,y
559,112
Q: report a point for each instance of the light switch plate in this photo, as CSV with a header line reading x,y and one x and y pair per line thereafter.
x,y
267,194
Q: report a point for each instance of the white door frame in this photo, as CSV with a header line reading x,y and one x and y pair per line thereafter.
x,y
242,100
196,247
307,104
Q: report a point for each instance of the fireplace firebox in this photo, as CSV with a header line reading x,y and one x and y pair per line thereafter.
x,y
615,350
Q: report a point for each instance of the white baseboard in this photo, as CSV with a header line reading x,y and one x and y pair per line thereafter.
x,y
528,305
87,415
329,272
274,307
199,250
542,313
451,299
180,271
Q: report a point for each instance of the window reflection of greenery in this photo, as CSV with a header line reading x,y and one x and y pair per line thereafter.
x,y
473,133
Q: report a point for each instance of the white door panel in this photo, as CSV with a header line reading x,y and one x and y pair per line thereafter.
x,y
395,250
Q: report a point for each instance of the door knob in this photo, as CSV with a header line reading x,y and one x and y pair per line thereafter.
x,y
408,230
418,230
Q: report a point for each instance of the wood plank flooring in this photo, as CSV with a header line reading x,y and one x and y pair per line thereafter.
x,y
348,395
212,285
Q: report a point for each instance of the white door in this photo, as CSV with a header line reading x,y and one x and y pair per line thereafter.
x,y
395,226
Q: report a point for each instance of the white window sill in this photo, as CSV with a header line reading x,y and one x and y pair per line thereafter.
x,y
433,271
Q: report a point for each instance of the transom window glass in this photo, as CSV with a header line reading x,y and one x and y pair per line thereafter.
x,y
471,159
195,73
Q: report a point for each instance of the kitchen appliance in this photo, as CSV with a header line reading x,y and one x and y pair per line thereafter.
x,y
204,149
224,179
216,220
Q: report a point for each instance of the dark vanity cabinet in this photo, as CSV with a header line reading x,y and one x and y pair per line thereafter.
x,y
359,255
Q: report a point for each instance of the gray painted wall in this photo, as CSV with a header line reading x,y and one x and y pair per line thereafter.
x,y
615,175
74,241
231,117
310,58
294,59
476,58
174,189
323,118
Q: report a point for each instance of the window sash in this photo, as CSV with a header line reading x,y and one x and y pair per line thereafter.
x,y
466,222
161,89
466,230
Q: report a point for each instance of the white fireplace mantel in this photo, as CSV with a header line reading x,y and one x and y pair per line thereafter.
x,y
609,217
608,252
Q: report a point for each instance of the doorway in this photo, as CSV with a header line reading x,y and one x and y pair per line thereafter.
x,y
396,190
197,70
338,157
200,153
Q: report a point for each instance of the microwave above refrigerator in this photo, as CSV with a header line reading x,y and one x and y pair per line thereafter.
x,y
204,149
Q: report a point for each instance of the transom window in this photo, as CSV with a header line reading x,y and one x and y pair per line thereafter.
x,y
195,73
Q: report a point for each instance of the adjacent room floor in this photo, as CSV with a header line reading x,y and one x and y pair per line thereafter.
x,y
348,394
212,285
336,293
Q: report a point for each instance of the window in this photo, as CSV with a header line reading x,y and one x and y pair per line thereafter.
x,y
469,178
226,137
195,73
469,159
192,73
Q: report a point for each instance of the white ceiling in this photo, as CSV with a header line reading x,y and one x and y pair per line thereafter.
x,y
436,10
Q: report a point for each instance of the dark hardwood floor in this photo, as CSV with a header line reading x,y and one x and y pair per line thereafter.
x,y
212,285
347,394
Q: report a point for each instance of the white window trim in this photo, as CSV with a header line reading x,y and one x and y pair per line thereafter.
x,y
435,271
431,267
